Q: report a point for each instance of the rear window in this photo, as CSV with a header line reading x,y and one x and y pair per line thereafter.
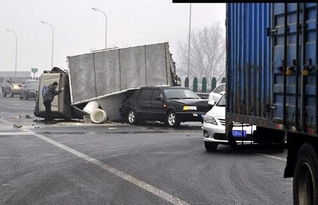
x,y
144,95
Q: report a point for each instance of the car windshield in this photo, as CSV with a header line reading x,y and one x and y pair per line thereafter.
x,y
180,94
222,101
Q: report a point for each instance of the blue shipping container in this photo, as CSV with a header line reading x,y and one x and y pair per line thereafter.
x,y
249,81
272,65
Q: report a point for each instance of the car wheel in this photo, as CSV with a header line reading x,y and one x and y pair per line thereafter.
x,y
172,120
131,117
26,96
305,183
21,97
11,94
210,146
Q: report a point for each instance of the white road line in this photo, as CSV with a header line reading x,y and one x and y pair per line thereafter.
x,y
273,157
145,186
16,133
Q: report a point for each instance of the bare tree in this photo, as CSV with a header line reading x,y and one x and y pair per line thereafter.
x,y
207,54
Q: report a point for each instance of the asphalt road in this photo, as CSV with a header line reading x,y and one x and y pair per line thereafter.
x,y
76,163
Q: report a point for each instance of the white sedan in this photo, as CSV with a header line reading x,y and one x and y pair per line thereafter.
x,y
214,127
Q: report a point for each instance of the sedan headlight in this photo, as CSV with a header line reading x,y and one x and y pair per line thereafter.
x,y
187,107
209,119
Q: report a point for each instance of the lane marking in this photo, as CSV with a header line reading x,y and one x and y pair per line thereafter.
x,y
273,157
16,133
143,185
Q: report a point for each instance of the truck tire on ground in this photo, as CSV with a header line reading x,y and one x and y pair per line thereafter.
x,y
210,146
305,184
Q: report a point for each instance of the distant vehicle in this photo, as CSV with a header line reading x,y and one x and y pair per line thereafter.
x,y
11,88
171,105
214,127
215,95
29,89
5,89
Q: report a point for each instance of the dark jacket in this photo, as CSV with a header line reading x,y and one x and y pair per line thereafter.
x,y
50,93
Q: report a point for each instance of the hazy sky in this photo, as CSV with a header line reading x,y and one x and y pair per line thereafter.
x,y
79,29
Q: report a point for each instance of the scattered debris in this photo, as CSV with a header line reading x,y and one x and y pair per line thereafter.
x,y
17,126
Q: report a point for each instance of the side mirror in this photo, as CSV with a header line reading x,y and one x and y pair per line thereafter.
x,y
158,98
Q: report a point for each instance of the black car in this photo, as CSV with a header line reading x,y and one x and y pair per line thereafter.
x,y
171,105
29,89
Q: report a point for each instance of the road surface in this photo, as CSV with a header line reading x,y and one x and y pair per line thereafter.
x,y
77,163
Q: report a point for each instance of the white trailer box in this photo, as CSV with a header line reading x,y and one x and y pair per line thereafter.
x,y
106,75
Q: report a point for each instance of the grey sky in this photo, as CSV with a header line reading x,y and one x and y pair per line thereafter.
x,y
78,29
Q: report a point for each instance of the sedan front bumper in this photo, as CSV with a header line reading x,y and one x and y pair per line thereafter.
x,y
216,133
190,116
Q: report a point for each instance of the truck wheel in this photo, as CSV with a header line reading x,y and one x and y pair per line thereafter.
x,y
210,146
131,117
305,184
171,119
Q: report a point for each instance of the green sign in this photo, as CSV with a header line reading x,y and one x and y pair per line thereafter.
x,y
34,70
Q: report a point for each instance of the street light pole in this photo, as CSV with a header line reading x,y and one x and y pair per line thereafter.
x,y
16,48
96,9
52,54
189,45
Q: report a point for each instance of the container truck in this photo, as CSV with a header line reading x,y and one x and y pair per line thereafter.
x,y
272,83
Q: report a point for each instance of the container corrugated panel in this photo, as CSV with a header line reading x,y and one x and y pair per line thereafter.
x,y
249,79
295,64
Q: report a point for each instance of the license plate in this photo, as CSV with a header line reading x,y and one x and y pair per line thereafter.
x,y
239,133
195,115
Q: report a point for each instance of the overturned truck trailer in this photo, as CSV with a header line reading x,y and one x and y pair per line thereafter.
x,y
107,75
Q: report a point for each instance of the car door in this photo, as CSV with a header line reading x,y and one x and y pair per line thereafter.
x,y
156,109
142,104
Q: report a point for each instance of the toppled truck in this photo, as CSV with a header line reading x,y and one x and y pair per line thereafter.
x,y
107,75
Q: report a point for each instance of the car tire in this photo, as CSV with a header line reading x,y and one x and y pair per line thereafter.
x,y
305,183
210,146
27,96
131,117
172,120
21,97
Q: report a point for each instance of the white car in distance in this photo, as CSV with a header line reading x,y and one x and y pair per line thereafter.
x,y
215,95
214,127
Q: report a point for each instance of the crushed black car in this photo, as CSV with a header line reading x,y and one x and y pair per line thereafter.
x,y
171,105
